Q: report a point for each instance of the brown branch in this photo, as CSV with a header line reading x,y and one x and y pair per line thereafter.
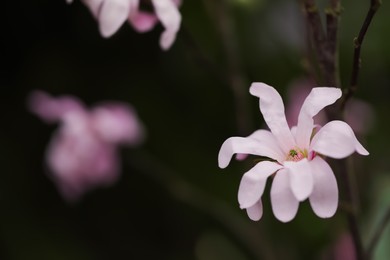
x,y
332,24
351,198
378,233
358,41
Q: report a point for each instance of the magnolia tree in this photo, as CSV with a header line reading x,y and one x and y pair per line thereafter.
x,y
293,152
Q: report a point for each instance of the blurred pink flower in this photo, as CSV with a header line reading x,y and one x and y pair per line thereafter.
x,y
358,114
111,14
296,156
83,152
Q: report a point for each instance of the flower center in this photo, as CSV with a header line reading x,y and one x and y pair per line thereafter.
x,y
296,155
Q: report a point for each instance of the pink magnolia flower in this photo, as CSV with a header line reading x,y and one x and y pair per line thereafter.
x,y
296,156
111,14
83,152
358,114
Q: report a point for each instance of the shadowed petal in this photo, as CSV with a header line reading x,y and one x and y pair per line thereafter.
x,y
243,145
52,109
113,14
272,108
325,195
253,183
94,6
337,140
284,204
117,123
301,179
256,211
314,103
170,17
142,21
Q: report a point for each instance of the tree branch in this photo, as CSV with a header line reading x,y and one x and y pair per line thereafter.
x,y
358,41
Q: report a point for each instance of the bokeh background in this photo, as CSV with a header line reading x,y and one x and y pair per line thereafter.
x,y
172,201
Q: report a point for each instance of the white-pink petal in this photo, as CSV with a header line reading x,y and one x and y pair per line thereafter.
x,y
170,17
243,145
269,140
272,108
117,123
325,195
301,179
337,140
253,183
314,103
113,13
256,211
51,109
284,204
142,21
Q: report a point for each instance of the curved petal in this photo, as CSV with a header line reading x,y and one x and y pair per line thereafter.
x,y
243,145
117,123
170,17
284,204
325,196
256,211
112,15
94,6
52,109
253,183
301,179
337,140
268,139
314,103
272,108
142,21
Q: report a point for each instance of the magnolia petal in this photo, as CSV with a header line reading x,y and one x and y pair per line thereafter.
x,y
253,183
255,212
170,17
269,140
301,179
337,140
52,109
94,6
117,123
272,108
112,15
243,145
69,1
284,204
325,195
314,103
142,21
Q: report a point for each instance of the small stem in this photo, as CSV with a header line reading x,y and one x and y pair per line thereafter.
x,y
332,24
184,191
358,41
350,197
219,10
378,233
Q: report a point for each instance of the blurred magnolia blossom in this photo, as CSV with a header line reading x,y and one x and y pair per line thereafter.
x,y
358,114
83,152
111,14
296,156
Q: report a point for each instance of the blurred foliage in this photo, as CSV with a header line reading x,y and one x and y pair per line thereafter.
x,y
188,113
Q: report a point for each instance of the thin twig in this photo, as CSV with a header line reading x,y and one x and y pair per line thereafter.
x,y
220,12
184,191
350,197
358,41
332,24
378,233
